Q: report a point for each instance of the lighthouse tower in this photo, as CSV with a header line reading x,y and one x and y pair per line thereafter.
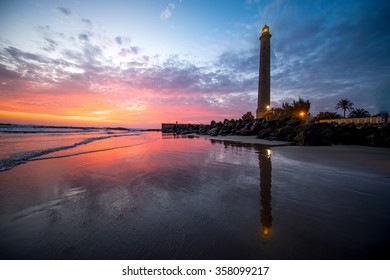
x,y
264,95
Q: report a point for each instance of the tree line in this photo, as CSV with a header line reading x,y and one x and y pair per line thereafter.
x,y
300,109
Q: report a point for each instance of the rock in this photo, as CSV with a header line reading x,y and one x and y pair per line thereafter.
x,y
299,139
239,124
271,138
294,122
284,131
213,132
314,139
246,133
229,123
224,131
290,138
264,133
312,135
293,130
255,128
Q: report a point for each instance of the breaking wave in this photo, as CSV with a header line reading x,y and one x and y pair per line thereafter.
x,y
23,157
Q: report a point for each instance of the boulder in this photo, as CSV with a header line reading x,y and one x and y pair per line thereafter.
x,y
224,131
239,124
264,133
294,122
255,127
284,131
213,132
312,135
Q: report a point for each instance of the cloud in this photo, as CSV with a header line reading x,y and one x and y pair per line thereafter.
x,y
87,21
50,45
167,13
35,68
6,73
65,11
119,40
83,37
129,51
173,81
324,60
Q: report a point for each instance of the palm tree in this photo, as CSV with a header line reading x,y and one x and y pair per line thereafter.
x,y
359,113
344,104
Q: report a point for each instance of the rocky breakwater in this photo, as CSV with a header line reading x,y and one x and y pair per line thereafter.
x,y
295,130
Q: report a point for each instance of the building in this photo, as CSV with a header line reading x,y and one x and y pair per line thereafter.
x,y
264,94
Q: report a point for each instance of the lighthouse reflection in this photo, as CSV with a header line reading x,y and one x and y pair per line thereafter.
x,y
265,166
265,191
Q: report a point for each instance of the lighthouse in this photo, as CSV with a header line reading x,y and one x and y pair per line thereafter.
x,y
264,94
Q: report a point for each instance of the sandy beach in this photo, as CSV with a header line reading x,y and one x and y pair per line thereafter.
x,y
171,197
246,139
358,158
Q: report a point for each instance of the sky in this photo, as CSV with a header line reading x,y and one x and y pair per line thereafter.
x,y
138,63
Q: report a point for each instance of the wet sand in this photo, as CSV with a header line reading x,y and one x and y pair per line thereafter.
x,y
358,158
180,198
246,139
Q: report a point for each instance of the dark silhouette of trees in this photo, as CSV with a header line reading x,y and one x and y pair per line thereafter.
x,y
298,108
344,104
248,116
278,114
359,113
301,107
327,116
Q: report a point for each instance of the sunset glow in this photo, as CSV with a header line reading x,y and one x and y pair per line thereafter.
x,y
139,63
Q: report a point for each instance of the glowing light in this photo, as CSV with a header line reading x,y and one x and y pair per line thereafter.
x,y
266,231
269,153
268,107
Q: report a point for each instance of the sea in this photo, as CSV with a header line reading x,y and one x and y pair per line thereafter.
x,y
113,193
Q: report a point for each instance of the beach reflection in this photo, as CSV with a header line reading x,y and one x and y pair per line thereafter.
x,y
169,197
265,167
265,190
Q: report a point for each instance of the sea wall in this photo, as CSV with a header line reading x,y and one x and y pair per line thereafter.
x,y
173,127
293,130
356,120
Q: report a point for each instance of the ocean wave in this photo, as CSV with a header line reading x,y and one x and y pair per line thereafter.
x,y
27,129
20,158
94,151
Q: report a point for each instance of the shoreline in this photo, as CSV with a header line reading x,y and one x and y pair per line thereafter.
x,y
246,140
356,158
292,130
190,195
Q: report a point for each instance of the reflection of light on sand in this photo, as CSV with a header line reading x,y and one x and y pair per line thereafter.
x,y
232,156
74,192
266,231
357,160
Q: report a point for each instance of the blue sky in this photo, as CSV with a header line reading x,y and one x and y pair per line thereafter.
x,y
139,63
